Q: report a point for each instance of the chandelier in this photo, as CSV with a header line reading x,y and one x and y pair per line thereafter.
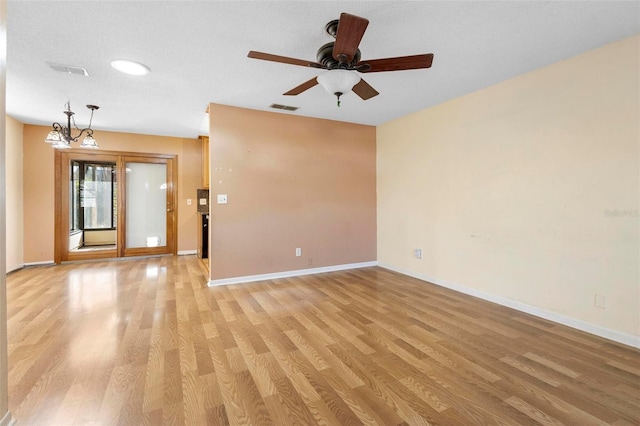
x,y
61,137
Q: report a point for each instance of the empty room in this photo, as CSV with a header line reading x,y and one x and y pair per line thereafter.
x,y
319,212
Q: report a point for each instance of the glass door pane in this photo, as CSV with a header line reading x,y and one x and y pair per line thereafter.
x,y
98,196
146,205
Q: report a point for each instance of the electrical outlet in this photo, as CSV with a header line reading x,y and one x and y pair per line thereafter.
x,y
417,253
599,301
298,252
310,261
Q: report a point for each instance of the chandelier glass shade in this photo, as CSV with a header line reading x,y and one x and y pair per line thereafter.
x,y
89,142
61,137
55,138
338,81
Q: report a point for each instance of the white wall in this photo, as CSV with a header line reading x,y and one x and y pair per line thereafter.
x,y
14,188
527,191
5,416
99,237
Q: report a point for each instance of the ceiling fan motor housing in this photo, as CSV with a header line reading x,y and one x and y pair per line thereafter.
x,y
325,57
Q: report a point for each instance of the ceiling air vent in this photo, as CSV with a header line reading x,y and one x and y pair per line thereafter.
x,y
68,69
284,107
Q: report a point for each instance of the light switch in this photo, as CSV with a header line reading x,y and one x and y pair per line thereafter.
x,y
222,198
188,201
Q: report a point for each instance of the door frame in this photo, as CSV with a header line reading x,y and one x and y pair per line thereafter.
x,y
61,207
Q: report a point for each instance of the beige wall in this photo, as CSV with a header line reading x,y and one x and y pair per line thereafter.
x,y
39,184
510,190
5,416
13,170
291,182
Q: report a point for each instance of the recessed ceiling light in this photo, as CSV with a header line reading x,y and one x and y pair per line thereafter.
x,y
129,67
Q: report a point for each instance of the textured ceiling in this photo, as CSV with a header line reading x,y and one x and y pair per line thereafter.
x,y
197,53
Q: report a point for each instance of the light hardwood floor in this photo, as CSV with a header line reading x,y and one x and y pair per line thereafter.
x,y
146,342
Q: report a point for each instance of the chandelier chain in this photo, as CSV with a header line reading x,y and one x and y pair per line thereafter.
x,y
91,118
73,118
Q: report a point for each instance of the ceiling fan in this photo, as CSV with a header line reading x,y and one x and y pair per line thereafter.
x,y
341,59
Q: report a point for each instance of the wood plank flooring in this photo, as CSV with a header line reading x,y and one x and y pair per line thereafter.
x,y
145,342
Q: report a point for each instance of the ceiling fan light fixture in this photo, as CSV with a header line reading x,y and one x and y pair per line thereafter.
x,y
338,82
130,67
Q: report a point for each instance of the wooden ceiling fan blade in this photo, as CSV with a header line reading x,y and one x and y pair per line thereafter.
x,y
301,88
283,59
364,90
400,63
351,28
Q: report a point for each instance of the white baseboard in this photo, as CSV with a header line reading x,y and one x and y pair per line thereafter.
x,y
286,274
616,336
187,252
43,263
7,420
16,268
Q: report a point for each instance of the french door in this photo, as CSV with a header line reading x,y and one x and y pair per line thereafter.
x,y
125,201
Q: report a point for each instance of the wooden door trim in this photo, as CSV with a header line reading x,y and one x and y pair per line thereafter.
x,y
61,202
122,216
57,210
